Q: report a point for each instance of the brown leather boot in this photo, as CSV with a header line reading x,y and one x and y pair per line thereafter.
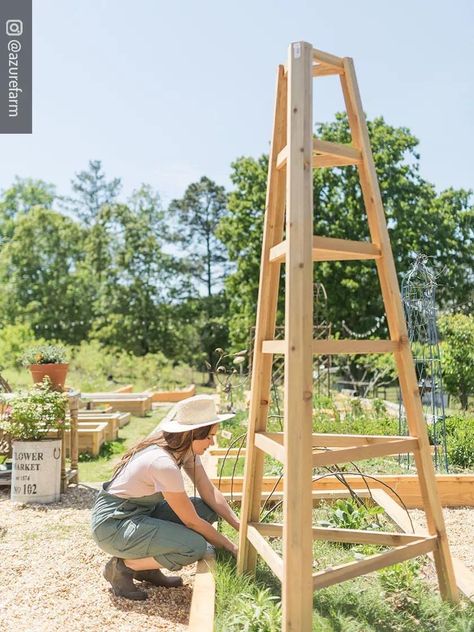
x,y
121,579
157,578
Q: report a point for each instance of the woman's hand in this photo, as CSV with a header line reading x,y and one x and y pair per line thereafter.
x,y
234,550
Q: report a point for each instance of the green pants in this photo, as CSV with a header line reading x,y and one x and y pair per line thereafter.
x,y
135,528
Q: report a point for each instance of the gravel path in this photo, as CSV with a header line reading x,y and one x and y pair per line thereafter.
x,y
460,529
51,575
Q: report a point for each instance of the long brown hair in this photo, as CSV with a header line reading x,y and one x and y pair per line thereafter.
x,y
178,444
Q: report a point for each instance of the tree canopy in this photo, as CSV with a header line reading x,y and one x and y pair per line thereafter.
x,y
419,221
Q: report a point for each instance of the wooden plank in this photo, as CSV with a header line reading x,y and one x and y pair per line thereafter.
x,y
264,549
331,249
318,161
273,346
346,346
336,347
329,440
398,331
362,452
464,576
278,253
343,572
281,158
316,496
128,388
455,490
201,615
355,536
336,150
327,58
324,70
297,596
265,442
265,326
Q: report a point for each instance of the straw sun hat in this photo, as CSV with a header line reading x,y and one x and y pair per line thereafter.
x,y
192,413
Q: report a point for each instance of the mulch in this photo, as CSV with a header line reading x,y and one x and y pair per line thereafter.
x,y
51,574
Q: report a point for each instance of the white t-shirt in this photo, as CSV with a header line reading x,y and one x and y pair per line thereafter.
x,y
150,471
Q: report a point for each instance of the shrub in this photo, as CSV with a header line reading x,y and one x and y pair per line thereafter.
x,y
29,416
460,441
458,355
14,341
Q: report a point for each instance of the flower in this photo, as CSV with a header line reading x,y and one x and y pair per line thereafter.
x,y
30,415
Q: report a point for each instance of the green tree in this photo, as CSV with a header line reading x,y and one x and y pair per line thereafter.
x,y
196,218
241,231
42,276
140,294
19,199
419,221
457,331
197,215
92,192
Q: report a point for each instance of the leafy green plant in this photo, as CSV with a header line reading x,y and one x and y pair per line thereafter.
x,y
347,514
256,612
400,577
44,354
457,332
29,416
460,440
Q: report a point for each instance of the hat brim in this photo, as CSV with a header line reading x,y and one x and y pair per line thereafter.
x,y
169,425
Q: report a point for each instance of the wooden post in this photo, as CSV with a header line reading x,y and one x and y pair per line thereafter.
x,y
297,587
265,328
398,331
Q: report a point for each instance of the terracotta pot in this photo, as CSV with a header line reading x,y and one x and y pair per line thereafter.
x,y
56,373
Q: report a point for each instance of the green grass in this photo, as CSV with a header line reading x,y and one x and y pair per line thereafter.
x,y
395,599
100,468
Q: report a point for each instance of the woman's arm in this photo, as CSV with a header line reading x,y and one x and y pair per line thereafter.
x,y
213,497
184,509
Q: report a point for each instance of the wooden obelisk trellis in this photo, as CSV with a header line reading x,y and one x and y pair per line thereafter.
x,y
294,153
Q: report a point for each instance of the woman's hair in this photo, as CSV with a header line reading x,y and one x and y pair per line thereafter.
x,y
178,444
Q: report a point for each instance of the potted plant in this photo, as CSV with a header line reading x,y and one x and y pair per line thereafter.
x,y
47,361
28,418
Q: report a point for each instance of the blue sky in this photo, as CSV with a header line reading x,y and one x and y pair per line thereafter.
x,y
165,92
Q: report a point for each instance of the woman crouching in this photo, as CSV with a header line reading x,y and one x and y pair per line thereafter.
x,y
143,516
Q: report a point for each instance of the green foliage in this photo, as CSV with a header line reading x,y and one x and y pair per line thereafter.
x,y
92,192
28,416
259,611
400,577
348,514
457,331
241,603
44,354
460,441
419,220
24,195
14,341
42,277
241,231
94,367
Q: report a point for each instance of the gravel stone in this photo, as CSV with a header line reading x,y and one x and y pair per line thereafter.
x,y
51,574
